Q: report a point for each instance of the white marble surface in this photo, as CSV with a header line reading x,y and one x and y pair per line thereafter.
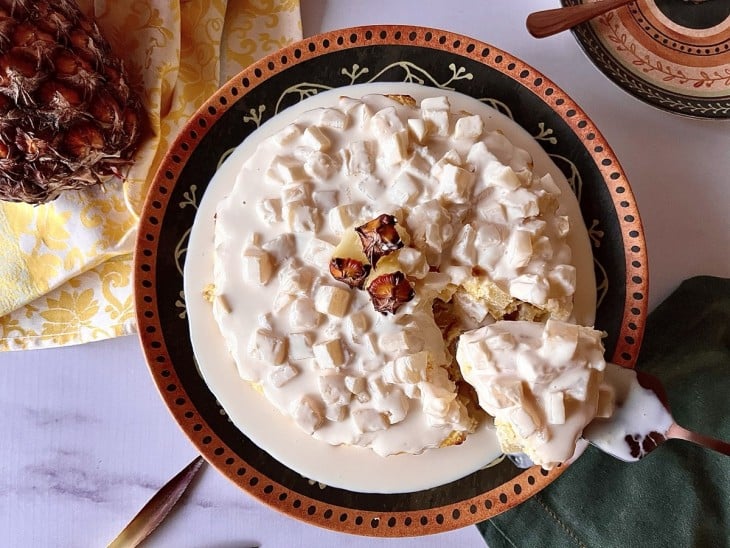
x,y
86,440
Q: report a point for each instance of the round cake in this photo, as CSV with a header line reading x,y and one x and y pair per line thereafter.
x,y
542,382
359,242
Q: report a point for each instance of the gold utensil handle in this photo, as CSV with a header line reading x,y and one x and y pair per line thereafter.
x,y
677,432
152,513
548,22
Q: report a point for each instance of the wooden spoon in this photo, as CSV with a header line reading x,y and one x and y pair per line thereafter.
x,y
548,22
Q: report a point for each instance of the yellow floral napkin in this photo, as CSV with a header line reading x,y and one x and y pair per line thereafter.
x,y
66,267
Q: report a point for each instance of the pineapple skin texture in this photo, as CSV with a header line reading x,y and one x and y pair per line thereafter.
x,y
68,117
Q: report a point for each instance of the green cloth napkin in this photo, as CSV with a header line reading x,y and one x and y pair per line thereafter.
x,y
679,496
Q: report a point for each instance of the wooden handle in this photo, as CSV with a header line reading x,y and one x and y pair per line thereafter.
x,y
677,432
548,22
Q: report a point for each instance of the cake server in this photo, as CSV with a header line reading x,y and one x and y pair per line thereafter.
x,y
642,420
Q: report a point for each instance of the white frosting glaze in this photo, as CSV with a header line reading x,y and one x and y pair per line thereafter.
x,y
466,197
543,383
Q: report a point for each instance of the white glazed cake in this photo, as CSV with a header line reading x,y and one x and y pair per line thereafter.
x,y
542,382
451,230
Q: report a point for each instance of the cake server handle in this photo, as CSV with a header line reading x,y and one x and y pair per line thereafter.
x,y
157,508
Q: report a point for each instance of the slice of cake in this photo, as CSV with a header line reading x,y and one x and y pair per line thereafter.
x,y
542,383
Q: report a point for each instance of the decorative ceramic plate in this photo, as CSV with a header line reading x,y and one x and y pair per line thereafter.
x,y
359,468
673,54
429,57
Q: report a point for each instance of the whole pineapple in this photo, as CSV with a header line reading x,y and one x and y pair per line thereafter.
x,y
68,118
